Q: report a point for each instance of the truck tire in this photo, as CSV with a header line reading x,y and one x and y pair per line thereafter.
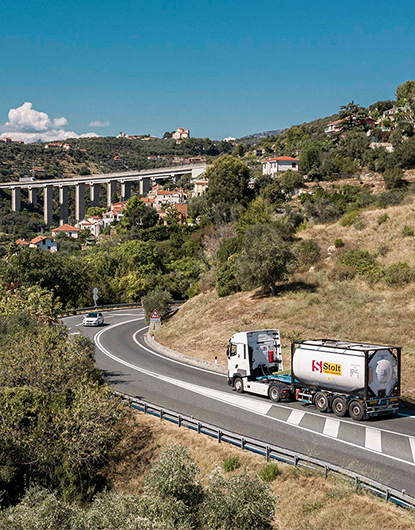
x,y
238,385
321,401
340,406
274,394
356,410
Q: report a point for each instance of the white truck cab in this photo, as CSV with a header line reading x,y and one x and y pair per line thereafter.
x,y
252,354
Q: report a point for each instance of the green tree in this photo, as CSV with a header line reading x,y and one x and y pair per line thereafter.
x,y
405,98
139,215
266,258
228,180
159,300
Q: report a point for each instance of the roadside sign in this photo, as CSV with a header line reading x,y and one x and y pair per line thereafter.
x,y
95,290
95,297
155,317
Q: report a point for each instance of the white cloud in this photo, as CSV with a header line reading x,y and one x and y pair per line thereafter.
x,y
97,123
29,125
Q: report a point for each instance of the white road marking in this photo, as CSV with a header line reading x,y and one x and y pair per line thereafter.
x,y
412,442
373,439
331,427
75,333
295,417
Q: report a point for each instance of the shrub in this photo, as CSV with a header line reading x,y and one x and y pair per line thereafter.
x,y
158,300
226,283
390,198
398,274
364,263
338,243
393,178
238,503
231,463
308,252
407,231
383,218
349,218
269,472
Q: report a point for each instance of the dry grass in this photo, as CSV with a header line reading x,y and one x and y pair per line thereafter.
x,y
373,236
305,500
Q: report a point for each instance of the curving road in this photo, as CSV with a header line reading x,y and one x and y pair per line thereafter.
x,y
383,449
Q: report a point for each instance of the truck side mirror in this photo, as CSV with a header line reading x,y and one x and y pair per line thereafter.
x,y
228,351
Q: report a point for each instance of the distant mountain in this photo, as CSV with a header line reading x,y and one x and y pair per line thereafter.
x,y
261,135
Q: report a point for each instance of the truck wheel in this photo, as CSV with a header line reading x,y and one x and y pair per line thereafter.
x,y
356,410
339,406
321,401
274,394
238,385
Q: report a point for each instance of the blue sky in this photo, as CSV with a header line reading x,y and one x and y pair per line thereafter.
x,y
219,68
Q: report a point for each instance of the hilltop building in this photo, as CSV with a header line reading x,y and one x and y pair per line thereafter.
x,y
279,165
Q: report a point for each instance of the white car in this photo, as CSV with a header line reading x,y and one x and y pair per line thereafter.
x,y
93,319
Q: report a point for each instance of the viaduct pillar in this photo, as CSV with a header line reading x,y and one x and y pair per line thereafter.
x,y
125,190
33,197
16,199
111,189
80,201
95,195
145,186
48,205
63,205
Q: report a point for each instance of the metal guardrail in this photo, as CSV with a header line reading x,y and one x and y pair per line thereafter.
x,y
70,312
273,452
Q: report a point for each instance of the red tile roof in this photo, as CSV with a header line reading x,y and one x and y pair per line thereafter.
x,y
283,158
38,239
66,228
21,242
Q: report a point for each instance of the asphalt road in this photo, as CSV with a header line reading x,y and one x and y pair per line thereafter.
x,y
383,449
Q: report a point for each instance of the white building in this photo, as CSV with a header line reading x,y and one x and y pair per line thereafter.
x,y
93,223
69,230
181,134
279,165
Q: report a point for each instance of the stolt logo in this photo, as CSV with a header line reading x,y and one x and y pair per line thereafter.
x,y
326,368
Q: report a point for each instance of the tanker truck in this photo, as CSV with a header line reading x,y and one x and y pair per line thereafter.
x,y
354,378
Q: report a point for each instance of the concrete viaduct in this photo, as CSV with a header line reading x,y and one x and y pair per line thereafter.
x,y
110,180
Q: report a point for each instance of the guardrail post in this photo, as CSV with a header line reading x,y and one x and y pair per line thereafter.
x,y
161,413
387,495
199,427
219,437
356,483
179,421
325,471
268,453
145,408
295,461
242,444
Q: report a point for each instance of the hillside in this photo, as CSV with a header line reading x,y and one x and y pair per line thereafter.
x,y
321,300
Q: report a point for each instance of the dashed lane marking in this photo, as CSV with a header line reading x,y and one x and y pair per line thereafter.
x,y
373,439
331,427
295,417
